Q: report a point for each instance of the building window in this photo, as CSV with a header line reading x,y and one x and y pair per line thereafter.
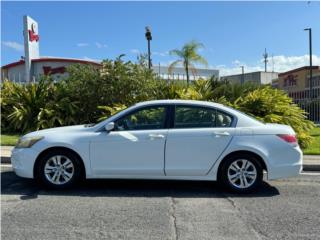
x,y
290,80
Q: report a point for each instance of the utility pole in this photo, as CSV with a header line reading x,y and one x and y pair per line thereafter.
x,y
272,63
265,56
310,59
242,76
149,38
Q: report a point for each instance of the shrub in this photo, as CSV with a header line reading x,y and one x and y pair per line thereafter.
x,y
35,106
22,103
233,91
274,106
117,82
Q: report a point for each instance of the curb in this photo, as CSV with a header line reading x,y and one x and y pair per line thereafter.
x,y
5,160
311,167
306,167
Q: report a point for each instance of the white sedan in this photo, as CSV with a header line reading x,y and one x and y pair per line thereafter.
x,y
164,139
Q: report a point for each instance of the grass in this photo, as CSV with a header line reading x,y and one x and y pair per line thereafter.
x,y
9,139
314,148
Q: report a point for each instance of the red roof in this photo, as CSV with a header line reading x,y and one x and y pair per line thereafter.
x,y
52,60
298,69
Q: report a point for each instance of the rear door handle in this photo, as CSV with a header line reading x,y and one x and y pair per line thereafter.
x,y
221,134
156,136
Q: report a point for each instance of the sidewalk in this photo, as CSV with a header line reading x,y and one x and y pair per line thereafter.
x,y
5,154
310,162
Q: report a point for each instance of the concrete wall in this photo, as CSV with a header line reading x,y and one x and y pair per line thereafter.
x,y
254,77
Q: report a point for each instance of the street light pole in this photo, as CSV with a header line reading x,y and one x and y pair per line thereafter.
x,y
149,38
242,76
310,59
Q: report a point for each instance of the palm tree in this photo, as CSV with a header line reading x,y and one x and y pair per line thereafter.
x,y
188,55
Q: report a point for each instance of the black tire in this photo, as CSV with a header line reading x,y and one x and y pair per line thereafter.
x,y
223,173
40,169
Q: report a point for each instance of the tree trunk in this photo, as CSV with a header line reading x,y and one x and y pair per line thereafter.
x,y
187,72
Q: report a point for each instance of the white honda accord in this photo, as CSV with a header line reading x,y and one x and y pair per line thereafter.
x,y
164,139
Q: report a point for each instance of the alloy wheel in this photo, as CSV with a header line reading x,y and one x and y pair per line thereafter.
x,y
242,173
59,169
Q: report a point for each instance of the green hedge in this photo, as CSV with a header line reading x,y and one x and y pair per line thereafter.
x,y
89,95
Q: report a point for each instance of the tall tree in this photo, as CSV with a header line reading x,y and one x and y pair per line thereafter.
x,y
188,56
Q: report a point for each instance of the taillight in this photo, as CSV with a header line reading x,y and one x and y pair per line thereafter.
x,y
288,138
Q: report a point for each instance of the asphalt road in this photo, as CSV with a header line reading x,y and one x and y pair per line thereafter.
x,y
110,209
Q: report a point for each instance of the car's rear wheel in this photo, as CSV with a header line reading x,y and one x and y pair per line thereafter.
x,y
59,169
241,173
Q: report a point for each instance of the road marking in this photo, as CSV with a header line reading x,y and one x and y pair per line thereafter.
x,y
5,165
310,173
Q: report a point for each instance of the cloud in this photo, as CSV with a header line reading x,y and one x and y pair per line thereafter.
x,y
161,54
91,59
278,63
166,63
14,45
282,63
82,44
154,53
101,45
135,51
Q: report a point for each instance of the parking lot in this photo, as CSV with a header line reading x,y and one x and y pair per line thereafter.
x,y
111,209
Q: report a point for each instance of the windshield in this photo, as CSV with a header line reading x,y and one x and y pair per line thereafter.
x,y
90,125
113,111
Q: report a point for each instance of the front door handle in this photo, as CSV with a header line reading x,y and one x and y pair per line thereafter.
x,y
217,134
156,136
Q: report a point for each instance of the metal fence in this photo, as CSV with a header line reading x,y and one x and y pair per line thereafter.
x,y
310,102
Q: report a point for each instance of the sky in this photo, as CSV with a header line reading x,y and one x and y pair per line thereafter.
x,y
234,34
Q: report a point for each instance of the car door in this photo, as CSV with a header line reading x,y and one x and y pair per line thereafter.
x,y
134,147
198,137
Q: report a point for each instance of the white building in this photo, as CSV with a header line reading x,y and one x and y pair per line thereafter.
x,y
33,66
178,73
55,67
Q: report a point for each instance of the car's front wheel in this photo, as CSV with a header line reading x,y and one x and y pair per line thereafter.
x,y
241,173
59,169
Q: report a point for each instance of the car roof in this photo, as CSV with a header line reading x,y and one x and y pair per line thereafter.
x,y
179,101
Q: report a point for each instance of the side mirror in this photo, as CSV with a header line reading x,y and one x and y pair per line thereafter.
x,y
109,127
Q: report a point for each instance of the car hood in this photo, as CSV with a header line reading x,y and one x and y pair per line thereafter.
x,y
57,130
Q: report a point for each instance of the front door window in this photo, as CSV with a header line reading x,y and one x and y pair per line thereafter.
x,y
151,118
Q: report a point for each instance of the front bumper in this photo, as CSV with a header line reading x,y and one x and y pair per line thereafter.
x,y
22,160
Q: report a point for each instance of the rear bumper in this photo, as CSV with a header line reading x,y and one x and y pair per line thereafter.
x,y
285,171
22,160
290,167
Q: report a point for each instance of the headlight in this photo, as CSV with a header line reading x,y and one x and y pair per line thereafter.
x,y
26,142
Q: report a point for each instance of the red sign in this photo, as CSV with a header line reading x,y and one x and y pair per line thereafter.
x,y
32,34
49,70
